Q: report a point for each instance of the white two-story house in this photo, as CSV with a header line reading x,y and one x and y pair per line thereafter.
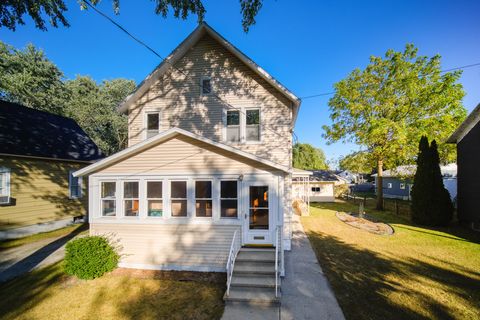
x,y
209,157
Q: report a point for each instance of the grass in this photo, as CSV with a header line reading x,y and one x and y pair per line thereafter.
x,y
12,243
417,273
49,294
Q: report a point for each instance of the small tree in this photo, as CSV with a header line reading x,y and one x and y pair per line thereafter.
x,y
431,204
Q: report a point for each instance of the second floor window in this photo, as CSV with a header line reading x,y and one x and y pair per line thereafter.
x,y
152,124
252,128
233,125
206,85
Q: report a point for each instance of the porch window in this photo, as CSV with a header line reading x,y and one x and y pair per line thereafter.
x,y
130,198
228,199
155,198
74,186
4,185
153,124
108,199
203,198
178,198
233,125
252,128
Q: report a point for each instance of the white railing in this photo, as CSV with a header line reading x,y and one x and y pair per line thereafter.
x,y
234,248
278,257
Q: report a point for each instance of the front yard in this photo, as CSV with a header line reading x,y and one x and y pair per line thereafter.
x,y
416,273
49,294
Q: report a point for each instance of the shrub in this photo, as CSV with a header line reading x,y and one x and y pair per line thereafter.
x,y
341,190
90,257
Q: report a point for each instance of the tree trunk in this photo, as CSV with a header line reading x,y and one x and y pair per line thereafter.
x,y
379,185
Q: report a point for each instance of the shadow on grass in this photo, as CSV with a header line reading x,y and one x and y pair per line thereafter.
x,y
371,286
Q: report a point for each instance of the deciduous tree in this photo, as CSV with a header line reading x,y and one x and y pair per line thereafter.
x,y
389,105
307,157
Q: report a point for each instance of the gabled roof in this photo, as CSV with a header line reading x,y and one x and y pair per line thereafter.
x,y
449,170
165,135
467,125
29,132
182,49
319,176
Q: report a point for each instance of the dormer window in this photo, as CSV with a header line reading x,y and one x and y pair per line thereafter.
x,y
206,85
152,120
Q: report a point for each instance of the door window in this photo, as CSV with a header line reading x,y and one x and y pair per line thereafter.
x,y
258,208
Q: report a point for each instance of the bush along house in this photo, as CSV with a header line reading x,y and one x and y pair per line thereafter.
x,y
39,151
207,173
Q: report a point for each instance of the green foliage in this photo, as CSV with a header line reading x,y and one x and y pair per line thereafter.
x,y
90,257
395,100
431,204
12,11
307,157
358,162
29,78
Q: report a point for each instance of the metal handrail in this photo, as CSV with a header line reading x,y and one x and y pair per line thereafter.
x,y
278,256
234,248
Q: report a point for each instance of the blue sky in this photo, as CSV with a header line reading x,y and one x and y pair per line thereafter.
x,y
307,45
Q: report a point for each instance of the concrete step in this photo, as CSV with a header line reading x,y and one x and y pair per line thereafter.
x,y
252,296
258,268
256,256
263,281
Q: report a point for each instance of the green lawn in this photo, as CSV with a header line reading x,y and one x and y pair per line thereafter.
x,y
12,243
417,273
49,294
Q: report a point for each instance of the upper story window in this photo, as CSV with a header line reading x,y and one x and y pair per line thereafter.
x,y
252,127
152,120
206,85
233,126
4,185
243,125
74,186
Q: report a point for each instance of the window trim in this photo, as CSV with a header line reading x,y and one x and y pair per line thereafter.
x,y
115,199
389,185
243,125
145,122
7,173
123,199
237,199
259,126
187,198
239,126
195,197
80,186
203,78
146,181
403,186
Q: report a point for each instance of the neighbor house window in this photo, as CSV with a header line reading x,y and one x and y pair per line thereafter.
x,y
228,199
4,185
206,85
74,186
152,124
315,189
252,127
203,198
155,198
108,199
178,198
402,186
130,198
233,125
389,185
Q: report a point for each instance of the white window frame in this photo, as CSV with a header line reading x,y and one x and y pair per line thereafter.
x,y
243,125
161,199
203,78
402,186
225,137
195,198
389,185
6,185
171,198
145,122
131,199
220,199
115,198
70,185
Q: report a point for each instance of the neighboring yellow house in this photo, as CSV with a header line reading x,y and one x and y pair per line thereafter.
x,y
38,153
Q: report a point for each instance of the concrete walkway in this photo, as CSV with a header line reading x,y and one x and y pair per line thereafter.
x,y
17,261
306,293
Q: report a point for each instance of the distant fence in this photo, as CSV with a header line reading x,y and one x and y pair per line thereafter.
x,y
396,206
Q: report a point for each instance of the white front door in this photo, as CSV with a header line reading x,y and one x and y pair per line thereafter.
x,y
259,208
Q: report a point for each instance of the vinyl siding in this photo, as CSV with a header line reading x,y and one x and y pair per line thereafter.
x,y
185,155
39,192
178,99
184,246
